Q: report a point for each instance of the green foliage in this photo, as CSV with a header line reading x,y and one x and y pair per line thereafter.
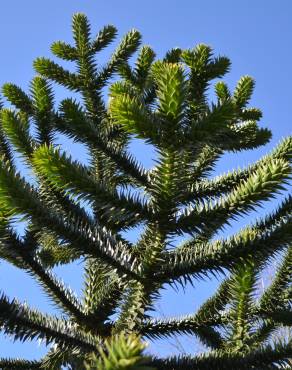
x,y
120,353
43,104
16,127
85,211
68,176
171,92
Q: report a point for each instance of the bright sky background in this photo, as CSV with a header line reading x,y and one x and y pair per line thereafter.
x,y
255,35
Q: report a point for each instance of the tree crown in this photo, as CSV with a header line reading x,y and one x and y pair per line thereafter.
x,y
83,211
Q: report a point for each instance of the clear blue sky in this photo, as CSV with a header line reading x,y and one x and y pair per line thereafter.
x,y
256,35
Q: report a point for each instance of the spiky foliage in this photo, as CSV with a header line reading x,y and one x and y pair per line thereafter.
x,y
120,353
78,211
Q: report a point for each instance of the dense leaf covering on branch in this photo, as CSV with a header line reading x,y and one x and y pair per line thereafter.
x,y
76,210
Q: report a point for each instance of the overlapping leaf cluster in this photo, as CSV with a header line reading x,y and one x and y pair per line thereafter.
x,y
84,211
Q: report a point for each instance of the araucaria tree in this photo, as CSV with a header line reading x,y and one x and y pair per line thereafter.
x,y
75,211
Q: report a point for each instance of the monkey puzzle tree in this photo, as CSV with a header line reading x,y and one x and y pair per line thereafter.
x,y
78,211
